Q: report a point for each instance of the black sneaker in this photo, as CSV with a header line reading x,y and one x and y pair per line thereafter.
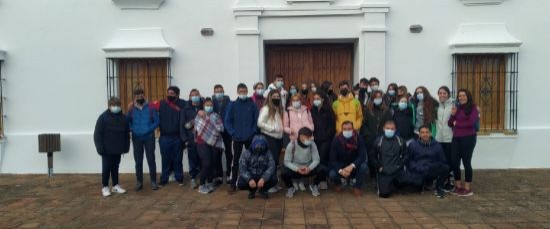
x,y
439,193
264,194
154,186
448,187
218,181
138,186
251,194
162,183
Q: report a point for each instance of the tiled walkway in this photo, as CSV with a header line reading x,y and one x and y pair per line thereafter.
x,y
503,199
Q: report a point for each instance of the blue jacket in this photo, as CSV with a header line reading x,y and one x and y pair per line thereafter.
x,y
355,153
143,122
170,118
422,155
253,164
221,105
188,114
240,119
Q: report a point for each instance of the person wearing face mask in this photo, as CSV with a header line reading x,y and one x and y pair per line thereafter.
x,y
348,159
258,96
363,94
301,161
240,121
427,162
347,108
390,98
403,116
296,117
425,107
327,92
324,122
306,101
444,133
209,142
374,85
257,170
143,120
388,156
376,113
111,139
170,142
292,90
188,115
220,102
278,84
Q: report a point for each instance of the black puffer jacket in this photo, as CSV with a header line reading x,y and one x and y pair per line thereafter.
x,y
324,122
112,134
389,153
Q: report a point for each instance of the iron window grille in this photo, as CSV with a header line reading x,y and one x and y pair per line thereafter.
x,y
493,81
1,101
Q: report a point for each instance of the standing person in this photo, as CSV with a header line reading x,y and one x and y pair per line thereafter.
x,y
403,91
188,115
296,117
220,103
388,157
302,160
257,169
278,84
258,97
403,116
390,98
270,123
170,142
445,133
464,117
427,162
292,90
347,108
143,120
327,92
425,107
209,142
111,139
324,122
240,121
348,159
363,94
374,117
306,101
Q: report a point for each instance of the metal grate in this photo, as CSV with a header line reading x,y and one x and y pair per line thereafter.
x,y
493,81
124,75
1,101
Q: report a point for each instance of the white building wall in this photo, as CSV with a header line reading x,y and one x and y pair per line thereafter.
x,y
55,67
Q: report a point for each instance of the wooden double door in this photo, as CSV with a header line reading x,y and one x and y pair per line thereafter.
x,y
306,63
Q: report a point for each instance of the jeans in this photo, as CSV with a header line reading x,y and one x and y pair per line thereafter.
x,y
147,145
358,173
319,172
237,150
171,151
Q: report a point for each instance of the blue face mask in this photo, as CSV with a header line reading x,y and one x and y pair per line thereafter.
x,y
115,109
279,84
219,96
347,134
420,96
243,97
317,102
208,109
389,133
293,91
377,101
391,92
402,105
195,99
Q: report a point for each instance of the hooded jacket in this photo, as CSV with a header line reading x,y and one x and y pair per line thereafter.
x,y
253,164
294,119
241,118
347,108
444,132
112,134
423,154
390,154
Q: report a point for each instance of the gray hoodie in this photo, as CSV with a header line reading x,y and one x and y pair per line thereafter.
x,y
296,156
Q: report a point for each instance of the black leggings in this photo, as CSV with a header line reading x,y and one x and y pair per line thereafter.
x,y
208,156
462,150
275,146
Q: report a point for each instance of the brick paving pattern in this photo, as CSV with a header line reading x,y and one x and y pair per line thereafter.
x,y
503,199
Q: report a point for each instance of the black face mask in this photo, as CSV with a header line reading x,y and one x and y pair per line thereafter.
x,y
140,101
331,92
362,90
276,102
171,98
304,92
344,92
260,149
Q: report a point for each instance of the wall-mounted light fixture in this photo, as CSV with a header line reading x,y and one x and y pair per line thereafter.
x,y
415,28
207,32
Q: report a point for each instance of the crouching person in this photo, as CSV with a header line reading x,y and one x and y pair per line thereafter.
x,y
257,169
427,162
111,139
348,157
302,160
388,156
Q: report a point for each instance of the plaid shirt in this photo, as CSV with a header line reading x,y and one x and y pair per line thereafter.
x,y
209,130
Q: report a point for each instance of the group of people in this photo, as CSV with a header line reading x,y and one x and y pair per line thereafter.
x,y
321,137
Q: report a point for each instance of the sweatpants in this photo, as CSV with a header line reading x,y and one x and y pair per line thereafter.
x,y
436,171
146,146
462,151
388,182
208,157
171,151
243,184
319,173
109,167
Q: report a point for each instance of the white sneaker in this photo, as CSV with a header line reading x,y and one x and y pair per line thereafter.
x,y
301,186
295,185
118,189
105,191
323,185
210,187
273,190
290,192
172,177
193,184
314,190
203,189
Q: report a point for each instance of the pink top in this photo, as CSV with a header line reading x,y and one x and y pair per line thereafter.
x,y
295,119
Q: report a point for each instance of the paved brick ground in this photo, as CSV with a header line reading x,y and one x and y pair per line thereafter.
x,y
503,199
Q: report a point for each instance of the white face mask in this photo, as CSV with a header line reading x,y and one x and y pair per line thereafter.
x,y
243,97
347,134
296,104
313,89
374,87
307,142
420,96
317,102
115,109
377,101
260,91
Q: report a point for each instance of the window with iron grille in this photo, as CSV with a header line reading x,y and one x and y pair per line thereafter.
x,y
493,81
124,75
1,102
